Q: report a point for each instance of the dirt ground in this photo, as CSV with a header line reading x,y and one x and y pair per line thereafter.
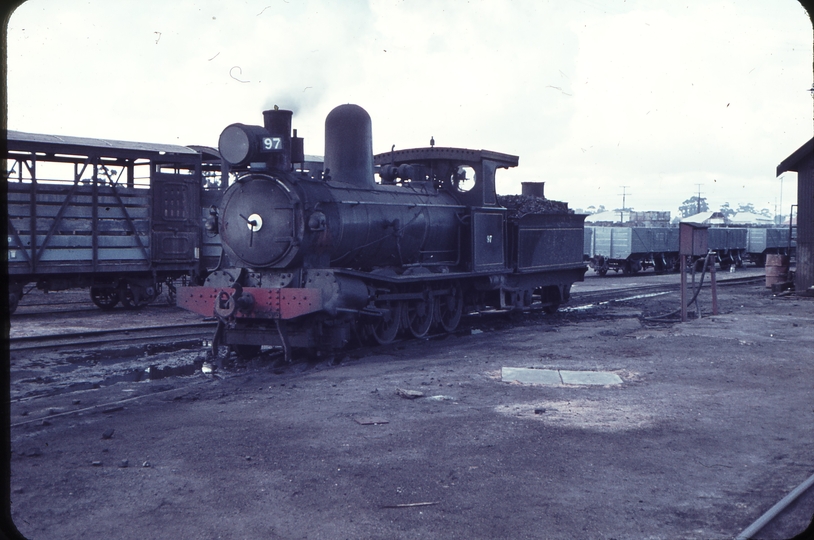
x,y
711,426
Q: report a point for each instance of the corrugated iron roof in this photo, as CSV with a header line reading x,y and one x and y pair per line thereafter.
x,y
609,216
706,218
750,217
23,141
791,163
445,153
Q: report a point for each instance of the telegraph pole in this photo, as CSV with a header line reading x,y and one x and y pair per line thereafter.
x,y
698,199
622,212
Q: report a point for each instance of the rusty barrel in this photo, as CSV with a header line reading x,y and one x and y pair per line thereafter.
x,y
777,269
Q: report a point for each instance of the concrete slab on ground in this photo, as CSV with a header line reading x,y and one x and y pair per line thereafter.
x,y
558,377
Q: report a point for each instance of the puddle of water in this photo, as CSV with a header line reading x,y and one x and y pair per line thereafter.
x,y
591,306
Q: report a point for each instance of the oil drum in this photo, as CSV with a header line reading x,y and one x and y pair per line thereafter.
x,y
777,269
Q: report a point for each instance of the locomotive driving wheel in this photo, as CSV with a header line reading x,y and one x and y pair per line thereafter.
x,y
449,308
419,315
104,297
385,329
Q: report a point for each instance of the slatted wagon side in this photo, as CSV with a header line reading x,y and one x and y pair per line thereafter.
x,y
762,241
118,217
632,249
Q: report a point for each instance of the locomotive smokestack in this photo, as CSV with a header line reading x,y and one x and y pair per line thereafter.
x,y
349,146
278,124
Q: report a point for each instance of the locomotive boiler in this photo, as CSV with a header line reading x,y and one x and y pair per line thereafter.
x,y
313,257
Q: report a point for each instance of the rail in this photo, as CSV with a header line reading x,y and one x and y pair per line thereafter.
x,y
102,337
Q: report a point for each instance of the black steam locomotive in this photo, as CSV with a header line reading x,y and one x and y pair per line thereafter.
x,y
314,256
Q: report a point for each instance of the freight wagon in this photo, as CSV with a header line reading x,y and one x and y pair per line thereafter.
x,y
121,218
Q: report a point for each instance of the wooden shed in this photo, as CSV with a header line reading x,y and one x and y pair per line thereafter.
x,y
802,162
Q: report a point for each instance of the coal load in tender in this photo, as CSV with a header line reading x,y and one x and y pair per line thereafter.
x,y
520,205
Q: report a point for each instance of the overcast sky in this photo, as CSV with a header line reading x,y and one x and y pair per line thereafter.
x,y
664,98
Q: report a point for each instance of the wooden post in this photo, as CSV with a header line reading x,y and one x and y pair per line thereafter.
x,y
714,287
683,288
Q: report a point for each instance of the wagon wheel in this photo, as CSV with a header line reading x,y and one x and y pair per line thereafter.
x,y
602,271
552,297
673,263
133,296
385,329
419,315
659,263
104,297
129,298
449,308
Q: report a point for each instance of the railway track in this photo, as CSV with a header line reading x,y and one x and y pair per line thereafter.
x,y
96,358
117,336
203,330
584,300
41,310
122,351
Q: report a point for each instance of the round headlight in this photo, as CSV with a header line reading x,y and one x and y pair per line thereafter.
x,y
240,144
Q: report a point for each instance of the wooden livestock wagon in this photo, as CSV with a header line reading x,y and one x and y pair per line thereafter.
x,y
121,218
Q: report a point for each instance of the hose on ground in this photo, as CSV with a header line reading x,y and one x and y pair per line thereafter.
x,y
669,317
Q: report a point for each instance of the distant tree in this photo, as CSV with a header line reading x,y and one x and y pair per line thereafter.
x,y
693,205
747,208
727,210
766,212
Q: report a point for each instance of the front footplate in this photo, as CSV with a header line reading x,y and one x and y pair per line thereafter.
x,y
287,303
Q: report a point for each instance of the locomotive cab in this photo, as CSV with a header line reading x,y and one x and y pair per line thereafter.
x,y
469,177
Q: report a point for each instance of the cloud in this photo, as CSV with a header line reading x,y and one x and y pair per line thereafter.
x,y
591,95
